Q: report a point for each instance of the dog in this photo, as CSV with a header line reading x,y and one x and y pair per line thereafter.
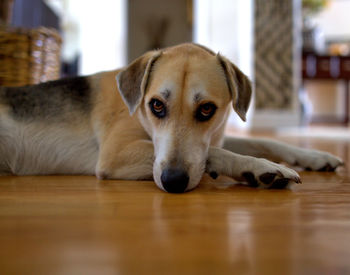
x,y
162,117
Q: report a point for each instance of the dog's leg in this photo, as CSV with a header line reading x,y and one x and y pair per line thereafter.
x,y
282,152
258,172
132,161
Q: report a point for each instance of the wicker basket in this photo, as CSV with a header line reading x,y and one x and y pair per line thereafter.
x,y
29,56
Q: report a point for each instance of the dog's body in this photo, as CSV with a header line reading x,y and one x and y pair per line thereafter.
x,y
179,99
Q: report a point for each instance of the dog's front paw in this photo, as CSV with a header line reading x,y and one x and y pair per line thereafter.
x,y
270,175
314,160
258,172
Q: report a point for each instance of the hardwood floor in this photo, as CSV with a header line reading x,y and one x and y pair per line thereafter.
x,y
79,225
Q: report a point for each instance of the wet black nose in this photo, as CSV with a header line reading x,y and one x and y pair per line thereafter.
x,y
174,180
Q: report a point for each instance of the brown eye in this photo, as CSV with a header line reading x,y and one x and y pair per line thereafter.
x,y
205,111
157,107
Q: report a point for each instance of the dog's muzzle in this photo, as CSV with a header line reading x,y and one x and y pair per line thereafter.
x,y
174,180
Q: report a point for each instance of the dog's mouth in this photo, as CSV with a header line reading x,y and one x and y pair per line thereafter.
x,y
175,170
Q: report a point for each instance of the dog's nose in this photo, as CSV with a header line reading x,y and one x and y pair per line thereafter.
x,y
174,180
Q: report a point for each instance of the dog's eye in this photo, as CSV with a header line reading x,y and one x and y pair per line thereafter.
x,y
157,108
205,111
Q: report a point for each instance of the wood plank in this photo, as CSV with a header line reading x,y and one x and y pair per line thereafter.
x,y
79,225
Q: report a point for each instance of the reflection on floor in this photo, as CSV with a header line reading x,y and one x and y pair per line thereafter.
x,y
79,225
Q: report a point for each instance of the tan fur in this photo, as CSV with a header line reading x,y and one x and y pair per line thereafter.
x,y
123,139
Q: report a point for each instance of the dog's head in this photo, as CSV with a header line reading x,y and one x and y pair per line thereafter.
x,y
182,98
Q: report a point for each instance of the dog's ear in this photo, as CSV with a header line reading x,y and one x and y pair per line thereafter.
x,y
239,86
132,81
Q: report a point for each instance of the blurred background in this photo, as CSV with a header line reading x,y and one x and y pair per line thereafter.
x,y
296,52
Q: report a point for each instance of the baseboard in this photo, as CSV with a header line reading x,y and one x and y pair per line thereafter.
x,y
272,119
328,119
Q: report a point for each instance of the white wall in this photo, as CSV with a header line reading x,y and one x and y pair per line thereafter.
x,y
101,27
226,26
334,20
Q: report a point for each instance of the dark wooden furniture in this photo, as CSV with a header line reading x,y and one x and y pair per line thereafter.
x,y
33,14
329,67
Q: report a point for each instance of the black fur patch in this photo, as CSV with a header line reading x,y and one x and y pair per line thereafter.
x,y
50,100
280,183
267,178
250,178
214,175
